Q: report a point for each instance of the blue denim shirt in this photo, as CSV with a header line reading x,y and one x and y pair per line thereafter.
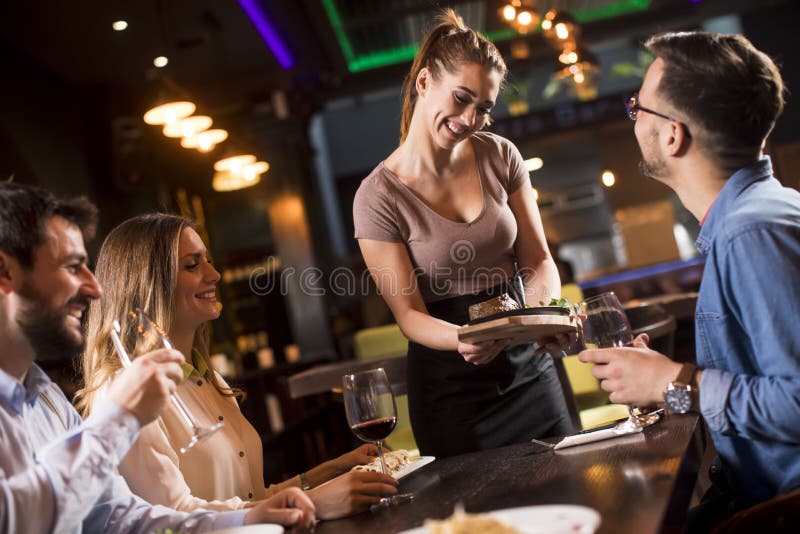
x,y
59,473
747,331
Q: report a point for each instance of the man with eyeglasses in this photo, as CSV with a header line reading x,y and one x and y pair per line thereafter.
x,y
705,108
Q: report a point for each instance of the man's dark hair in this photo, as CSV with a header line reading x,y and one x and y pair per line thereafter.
x,y
24,211
725,85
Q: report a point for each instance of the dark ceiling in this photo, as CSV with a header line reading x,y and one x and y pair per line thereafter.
x,y
338,46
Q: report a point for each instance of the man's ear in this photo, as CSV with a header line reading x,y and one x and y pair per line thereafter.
x,y
9,268
678,140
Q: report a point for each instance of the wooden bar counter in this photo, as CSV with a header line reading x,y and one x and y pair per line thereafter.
x,y
639,484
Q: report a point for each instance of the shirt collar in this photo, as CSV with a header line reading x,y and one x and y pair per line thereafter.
x,y
734,186
15,393
197,367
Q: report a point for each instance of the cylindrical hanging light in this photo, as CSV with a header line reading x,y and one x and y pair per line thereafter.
x,y
188,127
226,181
205,141
252,171
234,164
169,113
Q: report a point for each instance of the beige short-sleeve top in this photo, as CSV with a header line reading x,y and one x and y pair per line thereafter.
x,y
450,258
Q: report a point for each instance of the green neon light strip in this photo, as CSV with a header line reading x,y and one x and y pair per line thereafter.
x,y
390,56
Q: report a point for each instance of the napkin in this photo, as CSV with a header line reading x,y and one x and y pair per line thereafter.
x,y
597,435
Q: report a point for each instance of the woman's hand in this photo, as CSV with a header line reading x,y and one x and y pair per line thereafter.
x,y
482,352
351,493
358,456
556,344
290,508
344,463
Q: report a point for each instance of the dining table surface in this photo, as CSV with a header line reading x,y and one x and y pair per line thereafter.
x,y
639,483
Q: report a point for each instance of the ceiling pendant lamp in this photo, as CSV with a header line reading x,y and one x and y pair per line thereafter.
x,y
205,141
234,164
169,112
188,127
560,28
237,172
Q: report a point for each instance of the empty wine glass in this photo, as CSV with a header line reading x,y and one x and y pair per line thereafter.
x,y
371,412
146,335
606,325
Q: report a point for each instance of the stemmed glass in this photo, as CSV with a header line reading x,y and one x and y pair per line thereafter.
x,y
146,336
606,325
371,413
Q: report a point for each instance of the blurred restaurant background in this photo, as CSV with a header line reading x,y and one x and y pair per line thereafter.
x,y
310,91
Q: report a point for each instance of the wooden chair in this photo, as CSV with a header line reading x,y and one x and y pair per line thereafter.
x,y
779,514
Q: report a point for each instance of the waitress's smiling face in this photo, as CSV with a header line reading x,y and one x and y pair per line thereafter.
x,y
457,104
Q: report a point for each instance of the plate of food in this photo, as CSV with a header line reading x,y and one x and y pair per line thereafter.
x,y
398,463
544,519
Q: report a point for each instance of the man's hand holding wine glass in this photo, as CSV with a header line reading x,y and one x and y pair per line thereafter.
x,y
633,375
144,388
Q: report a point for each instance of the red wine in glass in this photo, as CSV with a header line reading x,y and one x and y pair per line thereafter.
x,y
374,430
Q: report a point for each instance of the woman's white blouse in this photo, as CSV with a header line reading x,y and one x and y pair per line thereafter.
x,y
222,472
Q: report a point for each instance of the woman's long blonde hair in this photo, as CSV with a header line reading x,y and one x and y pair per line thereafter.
x,y
448,46
137,267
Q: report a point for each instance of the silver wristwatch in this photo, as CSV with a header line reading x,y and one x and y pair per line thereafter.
x,y
680,394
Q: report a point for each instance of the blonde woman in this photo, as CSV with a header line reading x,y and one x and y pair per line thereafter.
x,y
441,223
159,263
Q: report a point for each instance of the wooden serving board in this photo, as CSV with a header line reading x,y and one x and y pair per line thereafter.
x,y
522,329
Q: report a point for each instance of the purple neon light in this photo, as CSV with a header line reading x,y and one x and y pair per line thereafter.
x,y
268,32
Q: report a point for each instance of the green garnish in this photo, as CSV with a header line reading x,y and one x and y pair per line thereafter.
x,y
561,303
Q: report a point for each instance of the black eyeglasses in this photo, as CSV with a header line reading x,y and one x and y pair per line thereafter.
x,y
632,107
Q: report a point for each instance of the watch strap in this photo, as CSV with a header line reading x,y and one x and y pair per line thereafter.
x,y
304,485
686,375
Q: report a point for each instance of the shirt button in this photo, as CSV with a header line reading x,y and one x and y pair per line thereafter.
x,y
199,382
241,454
220,418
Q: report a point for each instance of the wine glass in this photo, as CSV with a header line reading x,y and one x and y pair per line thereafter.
x,y
145,336
606,325
371,413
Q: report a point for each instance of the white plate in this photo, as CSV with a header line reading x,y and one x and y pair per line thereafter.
x,y
251,529
546,519
413,466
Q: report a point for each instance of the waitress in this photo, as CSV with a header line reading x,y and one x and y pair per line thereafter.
x,y
440,223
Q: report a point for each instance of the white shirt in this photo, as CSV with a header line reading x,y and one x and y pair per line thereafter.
x,y
222,472
58,473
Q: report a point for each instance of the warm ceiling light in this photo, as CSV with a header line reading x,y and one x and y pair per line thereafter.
x,y
508,12
234,164
169,113
188,127
252,171
608,178
525,18
227,181
205,141
119,25
534,164
160,61
568,56
560,26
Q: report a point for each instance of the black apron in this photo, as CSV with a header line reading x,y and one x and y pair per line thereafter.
x,y
457,407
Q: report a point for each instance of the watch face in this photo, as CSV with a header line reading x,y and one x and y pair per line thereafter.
x,y
678,400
